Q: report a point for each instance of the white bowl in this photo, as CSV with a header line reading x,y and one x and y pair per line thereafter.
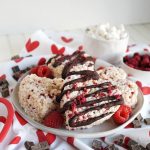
x,y
104,129
139,74
108,50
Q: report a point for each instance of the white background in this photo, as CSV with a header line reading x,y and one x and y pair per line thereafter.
x,y
28,15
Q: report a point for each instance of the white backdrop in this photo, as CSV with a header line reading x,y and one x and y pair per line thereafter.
x,y
27,15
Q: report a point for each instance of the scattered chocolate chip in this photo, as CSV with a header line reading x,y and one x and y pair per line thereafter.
x,y
40,146
136,124
44,145
17,75
5,92
139,117
28,145
15,69
15,57
148,146
111,147
119,139
96,144
147,121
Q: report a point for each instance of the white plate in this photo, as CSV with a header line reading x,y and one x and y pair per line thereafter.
x,y
105,129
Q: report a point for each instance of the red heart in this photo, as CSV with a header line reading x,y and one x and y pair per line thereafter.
x,y
70,140
18,59
50,138
20,119
30,46
15,140
66,40
55,49
2,77
144,89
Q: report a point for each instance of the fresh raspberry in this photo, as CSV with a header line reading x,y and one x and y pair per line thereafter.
x,y
122,114
54,120
145,62
34,70
44,71
42,61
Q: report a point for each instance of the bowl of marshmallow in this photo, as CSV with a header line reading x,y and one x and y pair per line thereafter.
x,y
106,41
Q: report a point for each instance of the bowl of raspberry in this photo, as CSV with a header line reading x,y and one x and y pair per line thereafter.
x,y
137,64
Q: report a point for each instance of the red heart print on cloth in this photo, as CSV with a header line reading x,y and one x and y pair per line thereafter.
x,y
31,46
50,138
66,40
20,119
15,140
144,89
56,50
2,77
70,140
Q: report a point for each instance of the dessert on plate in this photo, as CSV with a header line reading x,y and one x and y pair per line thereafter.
x,y
69,88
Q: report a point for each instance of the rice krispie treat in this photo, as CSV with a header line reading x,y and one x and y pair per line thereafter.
x,y
37,95
86,99
58,62
112,73
129,92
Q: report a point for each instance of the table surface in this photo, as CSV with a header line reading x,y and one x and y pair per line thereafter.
x,y
10,45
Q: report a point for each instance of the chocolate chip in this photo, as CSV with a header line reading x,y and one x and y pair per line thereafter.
x,y
15,69
119,139
96,144
136,124
17,75
28,145
139,117
147,121
111,147
44,145
5,92
148,146
15,57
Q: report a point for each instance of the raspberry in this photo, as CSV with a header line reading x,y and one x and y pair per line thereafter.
x,y
44,71
42,61
54,120
122,114
34,70
145,62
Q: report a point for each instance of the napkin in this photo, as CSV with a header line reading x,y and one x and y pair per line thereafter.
x,y
41,43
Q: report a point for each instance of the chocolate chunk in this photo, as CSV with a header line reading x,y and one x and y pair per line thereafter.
x,y
28,145
96,144
15,69
35,147
15,57
111,147
44,145
136,124
17,75
147,121
119,139
148,146
139,117
4,81
5,92
132,142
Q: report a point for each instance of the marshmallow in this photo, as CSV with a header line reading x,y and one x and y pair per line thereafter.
x,y
107,32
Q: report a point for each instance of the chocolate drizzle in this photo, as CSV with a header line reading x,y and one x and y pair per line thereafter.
x,y
95,96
